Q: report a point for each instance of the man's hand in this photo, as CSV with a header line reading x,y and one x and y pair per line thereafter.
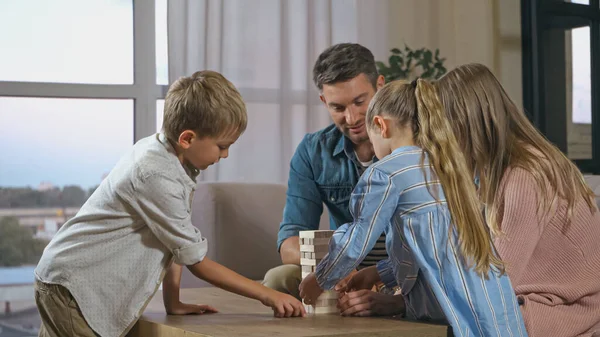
x,y
283,305
369,303
187,309
290,250
309,289
362,279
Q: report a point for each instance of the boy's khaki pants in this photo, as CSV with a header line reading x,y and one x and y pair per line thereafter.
x,y
60,313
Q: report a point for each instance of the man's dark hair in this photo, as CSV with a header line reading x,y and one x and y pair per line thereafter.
x,y
343,62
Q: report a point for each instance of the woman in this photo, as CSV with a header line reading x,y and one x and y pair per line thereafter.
x,y
538,206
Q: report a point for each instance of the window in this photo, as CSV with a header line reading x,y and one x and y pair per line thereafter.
x,y
79,83
561,56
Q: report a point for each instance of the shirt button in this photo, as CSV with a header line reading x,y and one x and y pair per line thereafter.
x,y
332,199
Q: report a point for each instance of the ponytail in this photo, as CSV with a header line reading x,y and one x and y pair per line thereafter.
x,y
435,135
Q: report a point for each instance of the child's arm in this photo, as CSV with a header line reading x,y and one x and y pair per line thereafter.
x,y
173,305
283,305
375,200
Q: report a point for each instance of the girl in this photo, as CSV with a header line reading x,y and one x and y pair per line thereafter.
x,y
421,195
537,201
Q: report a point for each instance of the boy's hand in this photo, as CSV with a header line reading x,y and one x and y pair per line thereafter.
x,y
310,289
188,309
363,279
284,305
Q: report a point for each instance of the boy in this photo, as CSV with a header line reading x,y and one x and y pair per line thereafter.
x,y
103,266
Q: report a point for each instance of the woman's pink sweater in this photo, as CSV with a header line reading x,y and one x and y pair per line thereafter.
x,y
554,265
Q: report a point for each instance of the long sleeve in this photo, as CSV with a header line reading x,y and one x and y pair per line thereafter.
x,y
303,205
374,201
386,273
520,222
165,210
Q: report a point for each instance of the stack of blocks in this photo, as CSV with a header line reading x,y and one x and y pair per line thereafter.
x,y
313,247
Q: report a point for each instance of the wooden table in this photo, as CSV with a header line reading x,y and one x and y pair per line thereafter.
x,y
240,316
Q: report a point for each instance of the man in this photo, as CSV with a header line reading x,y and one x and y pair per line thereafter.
x,y
326,167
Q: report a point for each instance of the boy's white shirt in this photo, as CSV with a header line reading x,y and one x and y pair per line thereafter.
x,y
113,255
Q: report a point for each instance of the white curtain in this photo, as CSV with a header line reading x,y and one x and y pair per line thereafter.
x,y
267,48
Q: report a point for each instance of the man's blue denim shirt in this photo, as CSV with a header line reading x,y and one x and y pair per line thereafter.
x,y
320,172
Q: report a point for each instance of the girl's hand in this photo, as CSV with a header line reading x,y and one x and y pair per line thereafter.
x,y
309,289
363,279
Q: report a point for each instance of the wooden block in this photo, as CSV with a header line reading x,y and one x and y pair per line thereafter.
x,y
329,294
315,242
308,269
313,255
314,248
316,234
325,310
309,262
327,302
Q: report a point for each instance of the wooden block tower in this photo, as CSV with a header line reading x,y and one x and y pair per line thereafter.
x,y
314,246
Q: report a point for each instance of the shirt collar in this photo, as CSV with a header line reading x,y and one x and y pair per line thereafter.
x,y
190,171
341,145
346,146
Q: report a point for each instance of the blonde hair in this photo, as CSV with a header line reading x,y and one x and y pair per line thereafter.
x,y
495,135
206,103
417,105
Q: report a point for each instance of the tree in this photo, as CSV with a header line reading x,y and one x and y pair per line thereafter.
x,y
17,244
73,196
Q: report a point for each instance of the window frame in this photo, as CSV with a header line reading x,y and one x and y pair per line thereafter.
x,y
536,16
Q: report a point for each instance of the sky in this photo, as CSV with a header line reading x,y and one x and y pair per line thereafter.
x,y
76,141
68,141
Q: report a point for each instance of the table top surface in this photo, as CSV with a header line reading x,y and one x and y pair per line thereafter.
x,y
240,316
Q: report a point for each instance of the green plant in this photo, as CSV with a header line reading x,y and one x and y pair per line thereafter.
x,y
404,63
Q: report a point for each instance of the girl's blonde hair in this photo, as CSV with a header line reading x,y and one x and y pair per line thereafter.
x,y
494,135
417,105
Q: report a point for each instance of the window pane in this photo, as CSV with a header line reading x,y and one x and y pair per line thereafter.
x,y
583,2
579,132
67,41
160,105
567,89
55,152
162,55
581,66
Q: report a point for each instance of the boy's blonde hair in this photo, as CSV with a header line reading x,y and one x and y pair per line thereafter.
x,y
417,105
206,103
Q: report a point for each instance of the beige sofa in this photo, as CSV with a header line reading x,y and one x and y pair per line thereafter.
x,y
241,220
